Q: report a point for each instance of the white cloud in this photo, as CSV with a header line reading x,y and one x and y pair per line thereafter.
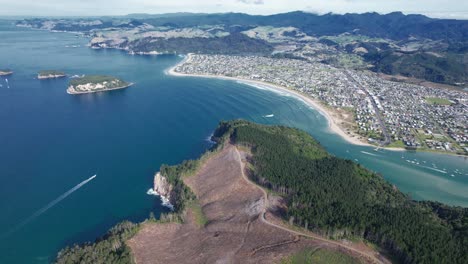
x,y
252,2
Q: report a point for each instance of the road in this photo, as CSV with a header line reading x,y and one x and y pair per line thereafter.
x,y
366,255
377,111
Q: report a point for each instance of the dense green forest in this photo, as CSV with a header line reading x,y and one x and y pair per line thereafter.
x,y
234,44
410,45
331,196
339,198
450,68
111,248
394,25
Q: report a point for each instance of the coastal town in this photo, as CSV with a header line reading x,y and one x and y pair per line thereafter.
x,y
386,113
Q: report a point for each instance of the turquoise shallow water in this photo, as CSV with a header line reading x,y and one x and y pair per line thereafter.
x,y
51,141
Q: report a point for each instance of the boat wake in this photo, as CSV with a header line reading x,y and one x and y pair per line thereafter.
x,y
434,169
268,116
370,154
48,206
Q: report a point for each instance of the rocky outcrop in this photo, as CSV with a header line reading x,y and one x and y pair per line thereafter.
x,y
162,186
5,72
163,189
50,76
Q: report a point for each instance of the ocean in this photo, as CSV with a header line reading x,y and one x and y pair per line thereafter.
x,y
51,141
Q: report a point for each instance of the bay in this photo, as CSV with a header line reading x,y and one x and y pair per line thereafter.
x,y
51,141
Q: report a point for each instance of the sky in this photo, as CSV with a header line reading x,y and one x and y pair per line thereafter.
x,y
433,8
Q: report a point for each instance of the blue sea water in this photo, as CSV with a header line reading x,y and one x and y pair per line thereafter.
x,y
51,141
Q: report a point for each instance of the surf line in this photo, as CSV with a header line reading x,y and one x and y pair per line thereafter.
x,y
49,205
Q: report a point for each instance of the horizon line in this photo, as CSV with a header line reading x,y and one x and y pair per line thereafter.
x,y
406,13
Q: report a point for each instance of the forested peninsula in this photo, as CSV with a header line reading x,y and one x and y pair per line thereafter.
x,y
330,196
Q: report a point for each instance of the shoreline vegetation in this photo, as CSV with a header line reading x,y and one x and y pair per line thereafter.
x,y
50,74
334,122
331,197
215,223
112,247
96,83
5,72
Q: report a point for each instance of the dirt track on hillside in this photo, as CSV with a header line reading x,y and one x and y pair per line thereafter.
x,y
235,232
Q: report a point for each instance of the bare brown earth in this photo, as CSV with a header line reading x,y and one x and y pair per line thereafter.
x,y
240,228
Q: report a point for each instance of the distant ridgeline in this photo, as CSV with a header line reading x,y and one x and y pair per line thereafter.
x,y
338,198
409,45
333,197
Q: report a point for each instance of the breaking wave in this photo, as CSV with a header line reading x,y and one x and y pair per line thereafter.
x,y
164,201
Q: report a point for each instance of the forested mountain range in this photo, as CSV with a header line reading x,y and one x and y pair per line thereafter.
x,y
412,46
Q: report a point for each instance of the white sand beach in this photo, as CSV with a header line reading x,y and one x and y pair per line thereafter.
x,y
333,121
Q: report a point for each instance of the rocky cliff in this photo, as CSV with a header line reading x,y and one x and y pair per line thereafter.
x,y
161,185
165,190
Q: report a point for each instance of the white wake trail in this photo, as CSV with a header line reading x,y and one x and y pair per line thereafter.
x,y
371,154
49,205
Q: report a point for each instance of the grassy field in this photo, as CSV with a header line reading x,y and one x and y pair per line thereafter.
x,y
319,256
200,218
345,39
396,144
438,101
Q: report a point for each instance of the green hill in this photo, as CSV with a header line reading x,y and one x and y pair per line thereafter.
x,y
328,195
340,199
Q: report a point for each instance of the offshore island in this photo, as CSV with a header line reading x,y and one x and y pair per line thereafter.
x,y
5,72
273,194
96,83
50,74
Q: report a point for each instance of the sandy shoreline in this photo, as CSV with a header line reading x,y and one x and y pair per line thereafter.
x,y
332,122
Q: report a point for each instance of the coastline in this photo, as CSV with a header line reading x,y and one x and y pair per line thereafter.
x,y
45,77
6,73
332,121
315,104
110,89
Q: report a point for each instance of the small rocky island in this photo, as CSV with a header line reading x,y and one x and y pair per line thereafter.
x,y
5,72
50,74
96,83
